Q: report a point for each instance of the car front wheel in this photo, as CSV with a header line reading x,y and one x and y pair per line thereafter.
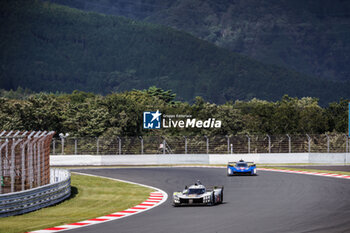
x,y
228,171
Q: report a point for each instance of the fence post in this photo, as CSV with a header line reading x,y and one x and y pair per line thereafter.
x,y
32,158
163,145
327,143
1,181
1,147
228,144
346,143
53,146
248,143
12,167
40,152
268,136
62,143
97,145
63,137
38,161
231,148
23,147
75,146
289,144
13,155
29,162
6,156
119,145
141,139
207,142
309,142
185,144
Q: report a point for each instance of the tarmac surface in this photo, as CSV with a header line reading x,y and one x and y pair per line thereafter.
x,y
269,202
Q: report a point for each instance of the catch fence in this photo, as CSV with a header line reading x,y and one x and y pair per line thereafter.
x,y
24,160
238,144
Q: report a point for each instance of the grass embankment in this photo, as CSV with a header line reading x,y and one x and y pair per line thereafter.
x,y
91,197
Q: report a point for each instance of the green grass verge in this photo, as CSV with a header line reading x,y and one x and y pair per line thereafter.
x,y
91,197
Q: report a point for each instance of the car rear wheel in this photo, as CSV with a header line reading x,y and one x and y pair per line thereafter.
x,y
254,172
222,196
213,199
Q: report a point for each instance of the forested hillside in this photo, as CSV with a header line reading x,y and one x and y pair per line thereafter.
x,y
46,47
312,37
84,114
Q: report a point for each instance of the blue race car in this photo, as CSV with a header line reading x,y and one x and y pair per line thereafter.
x,y
241,168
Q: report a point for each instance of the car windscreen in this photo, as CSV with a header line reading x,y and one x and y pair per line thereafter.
x,y
196,191
242,165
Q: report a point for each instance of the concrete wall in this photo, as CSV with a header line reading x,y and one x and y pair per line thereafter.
x,y
154,159
260,158
75,160
327,158
160,159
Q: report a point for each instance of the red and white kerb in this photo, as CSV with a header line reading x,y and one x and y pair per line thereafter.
x,y
154,199
307,173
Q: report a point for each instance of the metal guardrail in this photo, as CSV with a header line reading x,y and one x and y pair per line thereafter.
x,y
36,198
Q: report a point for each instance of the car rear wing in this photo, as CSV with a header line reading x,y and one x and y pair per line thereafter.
x,y
235,163
211,188
250,164
231,163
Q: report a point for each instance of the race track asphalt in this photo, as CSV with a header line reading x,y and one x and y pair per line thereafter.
x,y
271,202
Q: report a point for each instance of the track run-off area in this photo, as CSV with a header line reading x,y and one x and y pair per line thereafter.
x,y
270,202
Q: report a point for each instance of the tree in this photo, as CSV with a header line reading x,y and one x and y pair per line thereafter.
x,y
337,115
166,96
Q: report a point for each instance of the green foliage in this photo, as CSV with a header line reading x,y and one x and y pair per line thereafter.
x,y
311,37
19,93
337,115
47,47
84,114
166,96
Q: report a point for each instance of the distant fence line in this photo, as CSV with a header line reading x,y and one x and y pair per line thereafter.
x,y
239,144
